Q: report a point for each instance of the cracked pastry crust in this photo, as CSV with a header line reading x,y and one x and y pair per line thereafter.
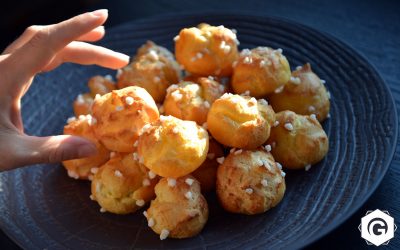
x,y
154,68
206,50
121,115
304,94
240,121
192,101
250,182
171,147
179,210
122,185
261,71
298,140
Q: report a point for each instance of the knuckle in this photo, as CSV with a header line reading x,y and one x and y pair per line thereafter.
x,y
56,155
32,29
41,38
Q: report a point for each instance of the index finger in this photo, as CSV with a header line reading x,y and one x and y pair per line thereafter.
x,y
43,46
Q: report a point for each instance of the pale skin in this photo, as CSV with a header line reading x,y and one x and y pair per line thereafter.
x,y
41,49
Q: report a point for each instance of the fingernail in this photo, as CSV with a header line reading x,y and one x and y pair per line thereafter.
x,y
124,57
86,150
101,12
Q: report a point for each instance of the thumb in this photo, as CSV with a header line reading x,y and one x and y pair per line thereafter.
x,y
54,149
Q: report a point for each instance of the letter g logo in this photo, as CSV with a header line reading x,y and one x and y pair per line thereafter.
x,y
377,225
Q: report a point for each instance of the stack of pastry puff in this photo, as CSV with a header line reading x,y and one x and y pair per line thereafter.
x,y
215,119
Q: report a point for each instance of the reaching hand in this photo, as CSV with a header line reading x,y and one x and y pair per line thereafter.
x,y
40,49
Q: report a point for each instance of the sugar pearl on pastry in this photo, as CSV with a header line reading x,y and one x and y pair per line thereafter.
x,y
146,183
94,170
238,152
189,181
220,160
189,195
71,119
135,156
150,222
118,173
164,234
264,183
249,190
129,100
156,79
295,80
288,126
152,175
171,182
140,203
313,116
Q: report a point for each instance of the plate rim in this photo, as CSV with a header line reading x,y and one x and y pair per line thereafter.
x,y
247,14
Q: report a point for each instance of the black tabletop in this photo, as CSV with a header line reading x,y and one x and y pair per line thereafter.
x,y
371,27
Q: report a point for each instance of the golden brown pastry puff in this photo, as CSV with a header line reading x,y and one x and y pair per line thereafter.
x,y
171,147
213,87
101,85
122,185
121,115
206,50
83,104
297,140
206,174
153,71
179,210
80,168
260,71
160,50
250,182
240,121
191,101
304,94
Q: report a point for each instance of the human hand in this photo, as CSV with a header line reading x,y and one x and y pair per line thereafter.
x,y
40,49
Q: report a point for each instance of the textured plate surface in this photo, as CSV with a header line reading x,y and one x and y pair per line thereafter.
x,y
42,208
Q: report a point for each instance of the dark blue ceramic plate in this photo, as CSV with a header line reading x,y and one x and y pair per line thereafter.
x,y
42,208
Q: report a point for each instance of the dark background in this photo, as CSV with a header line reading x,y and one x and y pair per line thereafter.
x,y
371,27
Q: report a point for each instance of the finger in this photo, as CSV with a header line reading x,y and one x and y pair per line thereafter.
x,y
84,53
17,149
42,47
92,36
16,117
21,40
54,149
